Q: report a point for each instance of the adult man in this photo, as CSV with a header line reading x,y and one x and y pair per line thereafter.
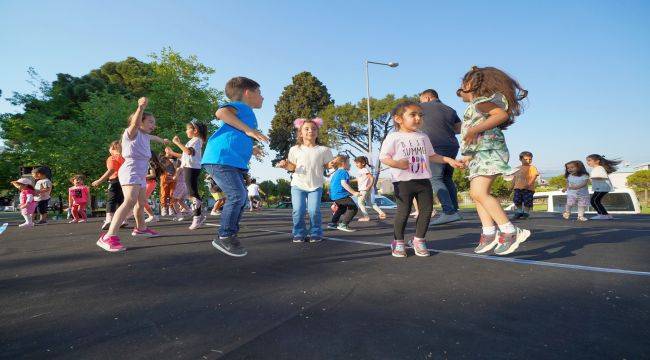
x,y
441,124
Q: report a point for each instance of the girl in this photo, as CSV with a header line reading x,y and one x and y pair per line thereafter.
x,y
576,190
407,152
43,189
254,198
179,195
155,171
191,163
78,197
217,195
167,184
365,181
600,183
136,150
114,196
308,160
493,99
27,203
340,192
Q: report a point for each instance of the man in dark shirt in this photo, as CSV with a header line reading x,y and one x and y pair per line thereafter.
x,y
441,124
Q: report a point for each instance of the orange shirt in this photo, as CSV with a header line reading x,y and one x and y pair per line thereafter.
x,y
114,162
525,176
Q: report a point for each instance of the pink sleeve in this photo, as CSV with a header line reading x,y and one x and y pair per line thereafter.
x,y
427,144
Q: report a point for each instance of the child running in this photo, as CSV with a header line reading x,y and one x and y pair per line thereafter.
x,y
136,150
43,189
600,183
27,202
577,192
365,181
254,198
181,209
340,193
524,186
407,152
227,154
78,197
114,196
155,171
167,184
191,164
494,101
308,160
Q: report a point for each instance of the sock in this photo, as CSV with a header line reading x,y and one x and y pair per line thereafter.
x,y
581,211
489,230
28,218
507,228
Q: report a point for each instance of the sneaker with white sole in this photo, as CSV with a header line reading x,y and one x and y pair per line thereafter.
x,y
420,247
582,218
106,225
487,243
26,225
508,243
152,219
298,239
332,226
197,222
73,221
445,219
144,233
345,228
215,213
398,248
566,215
229,246
315,239
110,243
163,212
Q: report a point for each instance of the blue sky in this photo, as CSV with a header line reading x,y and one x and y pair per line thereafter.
x,y
585,63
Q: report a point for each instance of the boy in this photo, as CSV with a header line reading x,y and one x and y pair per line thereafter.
x,y
227,154
524,186
340,191
254,192
217,195
43,190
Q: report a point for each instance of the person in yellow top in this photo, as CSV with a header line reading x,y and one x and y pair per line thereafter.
x,y
524,186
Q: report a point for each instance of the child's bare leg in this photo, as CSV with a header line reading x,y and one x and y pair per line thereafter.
x,y
480,193
139,209
130,198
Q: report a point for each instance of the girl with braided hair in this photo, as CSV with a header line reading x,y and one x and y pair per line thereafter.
x,y
494,102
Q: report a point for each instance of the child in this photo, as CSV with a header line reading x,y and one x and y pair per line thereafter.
x,y
167,184
524,186
340,192
114,196
191,165
155,171
227,154
600,184
78,197
493,99
576,189
254,192
365,181
308,161
43,189
136,151
27,203
407,152
217,195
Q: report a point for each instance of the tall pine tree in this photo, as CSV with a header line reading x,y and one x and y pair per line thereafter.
x,y
305,98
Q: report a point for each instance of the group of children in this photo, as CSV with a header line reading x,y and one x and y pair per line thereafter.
x,y
493,99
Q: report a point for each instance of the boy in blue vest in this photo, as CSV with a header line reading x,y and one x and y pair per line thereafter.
x,y
227,154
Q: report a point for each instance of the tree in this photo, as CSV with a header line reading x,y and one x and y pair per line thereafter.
x,y
305,97
460,179
640,182
557,182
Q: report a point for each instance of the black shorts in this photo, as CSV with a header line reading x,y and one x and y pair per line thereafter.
x,y
192,181
114,196
523,196
41,208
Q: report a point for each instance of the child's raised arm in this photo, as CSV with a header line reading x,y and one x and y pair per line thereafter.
x,y
136,119
496,116
103,178
159,139
229,116
287,165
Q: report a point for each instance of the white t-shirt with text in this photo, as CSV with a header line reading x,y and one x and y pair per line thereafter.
x,y
413,146
192,161
311,162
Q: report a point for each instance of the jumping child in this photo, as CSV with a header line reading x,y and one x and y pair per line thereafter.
x,y
524,186
78,198
114,196
577,179
365,181
340,193
600,183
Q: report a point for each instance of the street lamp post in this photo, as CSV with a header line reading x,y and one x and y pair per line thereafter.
x,y
390,64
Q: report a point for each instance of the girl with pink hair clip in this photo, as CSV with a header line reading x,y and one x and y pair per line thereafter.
x,y
308,161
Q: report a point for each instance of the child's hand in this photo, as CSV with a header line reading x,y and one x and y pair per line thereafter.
x,y
402,164
166,141
168,151
143,102
257,136
563,189
471,137
176,139
466,159
95,183
257,151
456,164
282,164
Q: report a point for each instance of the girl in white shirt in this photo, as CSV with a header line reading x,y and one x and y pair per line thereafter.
x,y
600,183
577,179
308,160
365,180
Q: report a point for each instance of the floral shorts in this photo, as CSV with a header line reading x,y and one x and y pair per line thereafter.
x,y
572,199
489,163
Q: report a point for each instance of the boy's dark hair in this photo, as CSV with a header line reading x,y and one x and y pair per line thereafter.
x,y
400,109
430,92
236,86
361,159
253,181
201,128
525,153
581,168
609,165
40,170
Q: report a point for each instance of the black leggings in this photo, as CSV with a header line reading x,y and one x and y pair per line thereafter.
x,y
345,206
192,183
596,199
405,192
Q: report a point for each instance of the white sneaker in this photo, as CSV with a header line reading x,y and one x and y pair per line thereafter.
x,y
597,217
445,218
152,219
163,212
215,213
26,225
197,222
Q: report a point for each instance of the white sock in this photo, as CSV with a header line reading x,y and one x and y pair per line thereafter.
x,y
489,230
507,228
28,218
109,217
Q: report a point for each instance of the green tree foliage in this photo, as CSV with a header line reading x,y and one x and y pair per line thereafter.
x,y
640,182
460,179
557,182
305,97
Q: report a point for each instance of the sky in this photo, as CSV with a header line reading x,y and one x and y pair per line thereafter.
x,y
584,63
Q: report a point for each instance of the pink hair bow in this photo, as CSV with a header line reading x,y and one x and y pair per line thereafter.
x,y
299,122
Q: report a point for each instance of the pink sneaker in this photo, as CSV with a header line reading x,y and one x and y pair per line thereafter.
x,y
110,243
420,247
73,221
145,233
